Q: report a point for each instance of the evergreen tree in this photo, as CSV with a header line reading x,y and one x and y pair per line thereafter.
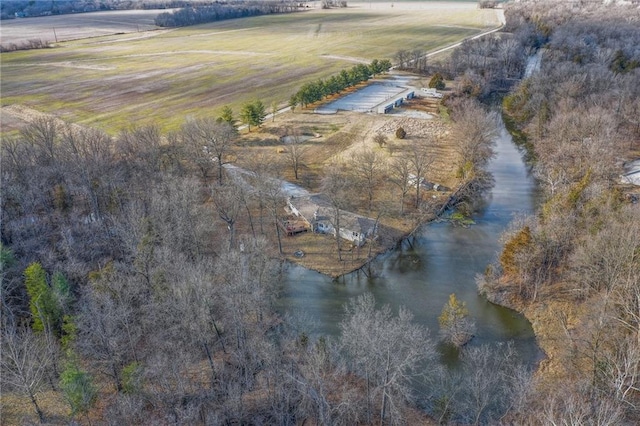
x,y
227,116
260,112
44,307
437,82
77,387
62,294
253,114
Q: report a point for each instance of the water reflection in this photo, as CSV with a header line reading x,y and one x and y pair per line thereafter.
x,y
441,259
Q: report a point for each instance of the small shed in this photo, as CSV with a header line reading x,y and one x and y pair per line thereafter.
x,y
631,173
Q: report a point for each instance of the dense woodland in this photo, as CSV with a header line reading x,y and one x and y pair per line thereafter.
x,y
575,266
28,8
212,12
128,290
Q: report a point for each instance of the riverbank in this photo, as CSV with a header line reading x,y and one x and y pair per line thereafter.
x,y
320,254
421,273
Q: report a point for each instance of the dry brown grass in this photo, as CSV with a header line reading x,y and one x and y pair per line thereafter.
x,y
18,410
339,135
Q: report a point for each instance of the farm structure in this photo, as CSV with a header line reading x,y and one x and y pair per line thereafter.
x,y
395,102
317,211
373,97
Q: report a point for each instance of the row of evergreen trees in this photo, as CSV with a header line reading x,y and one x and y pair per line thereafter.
x,y
315,91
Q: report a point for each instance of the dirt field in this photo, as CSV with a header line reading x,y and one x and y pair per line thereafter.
x,y
165,76
76,26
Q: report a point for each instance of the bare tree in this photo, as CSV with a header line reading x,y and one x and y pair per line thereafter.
x,y
420,161
402,58
367,167
296,150
336,188
26,360
275,201
386,351
418,59
474,133
608,259
109,326
492,376
263,169
573,407
228,202
400,177
212,139
43,134
89,158
380,139
140,147
196,307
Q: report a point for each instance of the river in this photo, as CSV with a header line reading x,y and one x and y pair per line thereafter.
x,y
440,260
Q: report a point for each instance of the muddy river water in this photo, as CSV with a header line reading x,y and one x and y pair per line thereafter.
x,y
440,260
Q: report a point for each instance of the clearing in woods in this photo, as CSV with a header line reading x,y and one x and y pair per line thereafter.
x,y
112,82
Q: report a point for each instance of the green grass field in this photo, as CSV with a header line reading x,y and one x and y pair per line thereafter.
x,y
165,76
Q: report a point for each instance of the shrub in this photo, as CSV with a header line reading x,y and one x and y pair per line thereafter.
x,y
400,133
437,82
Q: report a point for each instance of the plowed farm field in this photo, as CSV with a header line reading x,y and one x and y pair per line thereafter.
x,y
166,76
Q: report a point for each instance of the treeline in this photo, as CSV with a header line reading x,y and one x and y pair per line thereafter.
x,y
575,263
318,90
27,45
193,15
27,8
411,60
23,9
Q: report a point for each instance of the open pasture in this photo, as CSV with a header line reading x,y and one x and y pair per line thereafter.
x,y
120,80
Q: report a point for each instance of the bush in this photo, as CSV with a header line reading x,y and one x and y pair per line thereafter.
x,y
380,139
437,82
400,133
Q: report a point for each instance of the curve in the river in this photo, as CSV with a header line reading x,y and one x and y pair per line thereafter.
x,y
440,260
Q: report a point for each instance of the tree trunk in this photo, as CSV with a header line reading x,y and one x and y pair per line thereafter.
x,y
232,231
253,231
338,232
278,235
219,336
368,399
383,409
219,157
37,407
211,364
